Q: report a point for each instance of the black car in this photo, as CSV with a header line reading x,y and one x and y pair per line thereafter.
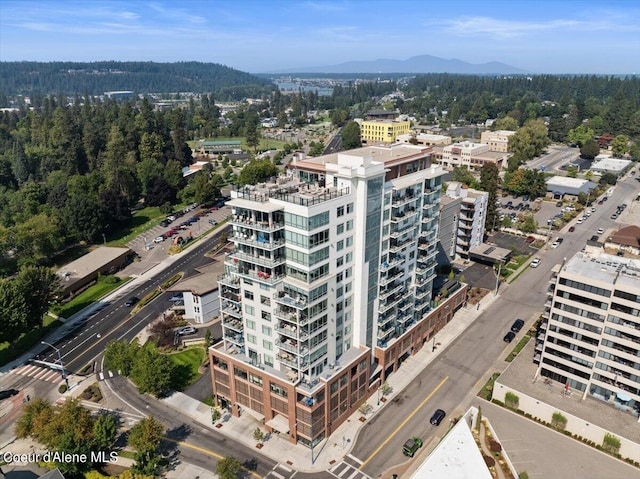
x,y
131,301
517,325
8,393
437,417
509,337
164,223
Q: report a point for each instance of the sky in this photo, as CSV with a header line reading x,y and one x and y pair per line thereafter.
x,y
257,36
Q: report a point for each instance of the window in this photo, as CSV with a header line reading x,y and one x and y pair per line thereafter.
x,y
268,345
251,338
348,287
340,245
339,291
266,315
266,330
349,225
350,208
340,211
264,300
340,229
279,390
251,324
268,360
255,379
249,309
349,241
339,261
349,257
248,295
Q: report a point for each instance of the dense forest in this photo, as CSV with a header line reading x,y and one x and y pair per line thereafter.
x,y
73,78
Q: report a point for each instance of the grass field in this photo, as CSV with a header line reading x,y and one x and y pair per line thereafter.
x,y
265,143
142,220
90,295
189,360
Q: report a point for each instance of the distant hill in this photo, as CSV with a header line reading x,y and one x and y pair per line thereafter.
x,y
95,78
418,64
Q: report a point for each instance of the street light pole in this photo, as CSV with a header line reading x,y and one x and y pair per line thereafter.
x,y
64,373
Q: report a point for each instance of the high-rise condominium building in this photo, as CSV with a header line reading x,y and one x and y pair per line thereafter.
x,y
590,334
329,287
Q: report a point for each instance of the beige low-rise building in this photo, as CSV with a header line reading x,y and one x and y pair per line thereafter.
x,y
424,139
497,140
471,155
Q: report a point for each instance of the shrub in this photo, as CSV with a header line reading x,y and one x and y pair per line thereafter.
x,y
494,445
558,421
489,461
511,400
365,408
611,443
62,389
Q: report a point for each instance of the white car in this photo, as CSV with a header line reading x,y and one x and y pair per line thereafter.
x,y
579,221
600,231
159,239
187,330
555,244
535,263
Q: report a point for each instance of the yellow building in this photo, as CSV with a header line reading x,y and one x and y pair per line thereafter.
x,y
374,132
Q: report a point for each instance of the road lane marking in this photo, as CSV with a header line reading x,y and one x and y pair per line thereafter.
x,y
353,458
207,452
407,419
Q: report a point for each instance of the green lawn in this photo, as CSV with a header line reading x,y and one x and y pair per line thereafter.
x,y
142,220
265,143
521,344
189,360
90,295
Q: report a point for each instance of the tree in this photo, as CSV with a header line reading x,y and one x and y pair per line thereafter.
x,y
205,191
351,136
580,134
489,179
505,123
119,356
160,192
13,312
229,468
590,149
258,435
608,179
83,218
105,431
257,171
144,438
152,372
527,143
252,134
463,175
620,145
40,285
529,225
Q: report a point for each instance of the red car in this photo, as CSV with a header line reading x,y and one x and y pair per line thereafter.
x,y
572,229
530,239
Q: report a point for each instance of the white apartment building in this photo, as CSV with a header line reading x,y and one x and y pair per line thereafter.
x,y
590,335
200,298
329,287
470,226
497,140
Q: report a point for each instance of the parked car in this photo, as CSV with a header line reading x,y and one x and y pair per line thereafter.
x,y
517,325
600,231
411,446
7,393
614,216
510,336
131,301
559,204
187,331
164,223
535,263
159,239
555,244
437,417
530,239
572,229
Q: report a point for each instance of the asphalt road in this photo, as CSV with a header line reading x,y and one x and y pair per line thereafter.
x,y
89,338
558,156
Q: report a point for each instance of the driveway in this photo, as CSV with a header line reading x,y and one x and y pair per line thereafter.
x,y
518,244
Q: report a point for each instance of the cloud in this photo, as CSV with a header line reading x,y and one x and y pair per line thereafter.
x,y
177,14
501,29
324,6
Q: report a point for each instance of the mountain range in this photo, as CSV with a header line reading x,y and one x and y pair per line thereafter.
x,y
417,64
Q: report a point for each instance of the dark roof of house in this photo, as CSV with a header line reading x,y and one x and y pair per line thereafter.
x,y
628,236
53,474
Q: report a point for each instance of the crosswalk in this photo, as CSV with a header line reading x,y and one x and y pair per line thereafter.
x,y
344,470
39,372
106,374
280,471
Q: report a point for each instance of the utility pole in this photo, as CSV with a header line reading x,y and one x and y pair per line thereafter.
x,y
498,278
64,373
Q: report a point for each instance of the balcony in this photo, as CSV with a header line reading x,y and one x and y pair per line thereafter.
x,y
237,339
422,293
261,276
395,289
290,360
229,281
291,332
229,296
396,233
232,310
390,277
265,261
258,243
247,222
233,324
399,246
291,347
385,334
283,298
396,260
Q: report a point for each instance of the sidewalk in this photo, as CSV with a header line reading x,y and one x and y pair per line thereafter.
x,y
332,450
